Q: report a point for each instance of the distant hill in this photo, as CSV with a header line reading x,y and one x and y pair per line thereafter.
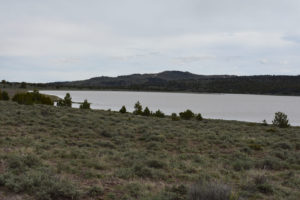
x,y
189,82
137,79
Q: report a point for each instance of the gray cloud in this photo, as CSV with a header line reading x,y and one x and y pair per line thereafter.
x,y
110,37
295,38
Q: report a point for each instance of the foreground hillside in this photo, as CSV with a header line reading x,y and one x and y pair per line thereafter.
x,y
48,152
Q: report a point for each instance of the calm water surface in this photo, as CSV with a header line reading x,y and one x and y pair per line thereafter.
x,y
253,108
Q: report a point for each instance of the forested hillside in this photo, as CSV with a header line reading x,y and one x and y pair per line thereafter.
x,y
188,82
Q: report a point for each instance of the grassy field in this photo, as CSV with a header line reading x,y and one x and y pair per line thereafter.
x,y
55,153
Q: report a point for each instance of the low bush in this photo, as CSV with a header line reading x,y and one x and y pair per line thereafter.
x,y
262,185
123,109
85,105
282,145
146,112
23,85
20,163
40,183
138,109
156,164
199,117
271,163
4,96
142,171
188,114
67,101
256,147
95,191
27,174
159,113
210,191
31,98
174,117
281,120
240,165
264,123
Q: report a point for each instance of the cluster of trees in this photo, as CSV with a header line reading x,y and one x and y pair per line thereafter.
x,y
188,114
265,84
4,96
67,102
280,119
30,98
138,110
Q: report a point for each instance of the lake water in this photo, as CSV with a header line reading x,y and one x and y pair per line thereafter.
x,y
252,108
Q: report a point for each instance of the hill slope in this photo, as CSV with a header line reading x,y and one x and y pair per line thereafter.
x,y
48,152
188,82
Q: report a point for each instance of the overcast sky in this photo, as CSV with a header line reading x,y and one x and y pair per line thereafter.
x,y
56,40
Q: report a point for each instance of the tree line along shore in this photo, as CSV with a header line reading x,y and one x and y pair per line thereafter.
x,y
30,98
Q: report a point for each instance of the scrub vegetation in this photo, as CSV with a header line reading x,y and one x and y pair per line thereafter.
x,y
58,153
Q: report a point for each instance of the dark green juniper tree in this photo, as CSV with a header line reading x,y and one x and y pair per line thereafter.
x,y
159,113
4,96
23,85
138,109
175,117
123,109
146,112
85,105
188,114
281,120
199,117
67,101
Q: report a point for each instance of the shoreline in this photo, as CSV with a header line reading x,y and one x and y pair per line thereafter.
x,y
176,92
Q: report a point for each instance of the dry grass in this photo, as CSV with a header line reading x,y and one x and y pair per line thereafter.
x,y
107,155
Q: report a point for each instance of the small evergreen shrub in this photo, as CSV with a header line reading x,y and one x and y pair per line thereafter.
x,y
174,117
95,191
271,163
210,191
146,112
138,109
282,145
41,183
158,164
262,185
67,101
199,117
23,85
159,113
281,120
123,109
188,114
142,171
256,147
85,105
264,123
4,96
240,165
